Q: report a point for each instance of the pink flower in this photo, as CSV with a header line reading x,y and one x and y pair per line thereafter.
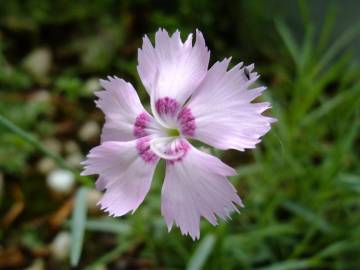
x,y
188,101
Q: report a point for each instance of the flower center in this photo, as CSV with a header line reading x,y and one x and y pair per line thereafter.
x,y
171,112
173,132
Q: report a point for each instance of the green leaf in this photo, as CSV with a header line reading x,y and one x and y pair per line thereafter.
x,y
110,256
202,252
329,105
349,181
337,248
304,9
308,215
107,225
336,47
32,140
288,40
78,222
327,27
290,265
306,50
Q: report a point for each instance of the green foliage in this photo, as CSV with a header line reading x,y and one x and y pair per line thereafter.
x,y
25,114
202,253
78,222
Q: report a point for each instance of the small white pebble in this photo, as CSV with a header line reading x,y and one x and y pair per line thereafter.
x,y
61,181
93,196
91,86
52,145
38,264
38,62
60,246
45,165
71,147
41,95
74,160
89,131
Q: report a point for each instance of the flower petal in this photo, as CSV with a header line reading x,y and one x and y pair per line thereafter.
x,y
224,115
173,69
195,186
125,170
125,117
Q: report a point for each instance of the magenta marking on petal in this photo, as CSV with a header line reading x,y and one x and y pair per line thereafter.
x,y
187,122
143,148
183,146
167,106
140,125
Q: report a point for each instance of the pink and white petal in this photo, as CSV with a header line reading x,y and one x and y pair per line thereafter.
x,y
122,108
225,116
125,171
195,186
173,69
147,59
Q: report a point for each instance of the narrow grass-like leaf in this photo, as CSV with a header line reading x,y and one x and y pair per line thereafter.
x,y
337,46
327,28
309,216
202,252
78,222
6,123
29,138
306,50
337,248
354,126
330,105
305,102
335,160
246,170
305,12
291,265
288,40
110,256
107,225
331,74
268,231
350,181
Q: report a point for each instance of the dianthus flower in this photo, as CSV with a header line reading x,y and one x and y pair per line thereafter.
x,y
188,101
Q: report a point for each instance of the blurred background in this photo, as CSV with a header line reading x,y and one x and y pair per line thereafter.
x,y
300,186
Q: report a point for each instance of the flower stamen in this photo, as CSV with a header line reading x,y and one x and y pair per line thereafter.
x,y
173,132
